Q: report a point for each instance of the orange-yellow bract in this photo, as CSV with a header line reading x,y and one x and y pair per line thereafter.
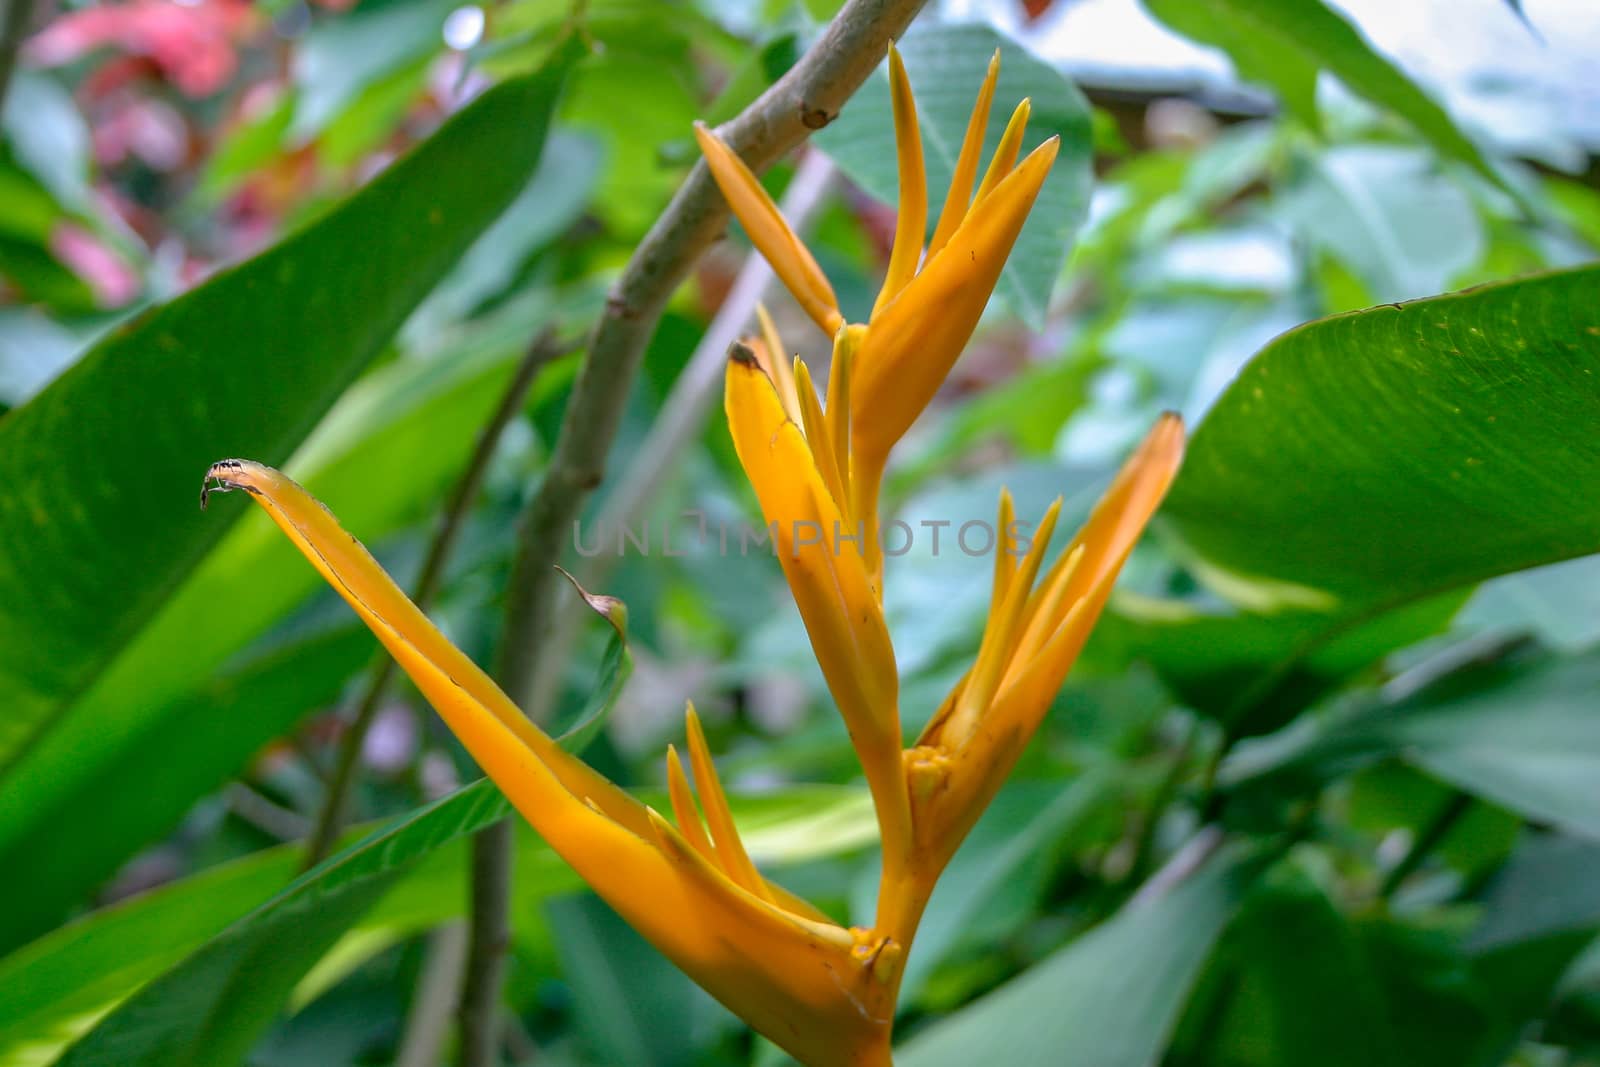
x,y
824,992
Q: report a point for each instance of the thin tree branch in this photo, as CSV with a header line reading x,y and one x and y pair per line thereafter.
x,y
434,1001
489,936
331,816
806,98
15,18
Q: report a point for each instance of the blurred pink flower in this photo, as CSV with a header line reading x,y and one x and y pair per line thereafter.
x,y
191,44
151,130
111,280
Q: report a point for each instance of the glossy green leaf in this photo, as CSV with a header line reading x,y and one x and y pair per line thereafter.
x,y
1369,459
1285,43
209,1009
1524,737
388,448
1111,997
51,991
947,65
100,468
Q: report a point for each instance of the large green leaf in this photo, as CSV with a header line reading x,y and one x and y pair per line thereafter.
x,y
1286,43
1524,737
211,1007
1369,459
54,989
384,454
97,523
946,65
1109,998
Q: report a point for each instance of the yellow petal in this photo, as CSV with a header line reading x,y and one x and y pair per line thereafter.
x,y
734,860
966,168
818,436
829,580
1006,152
911,346
845,343
912,222
999,640
1005,553
776,362
797,980
770,232
684,808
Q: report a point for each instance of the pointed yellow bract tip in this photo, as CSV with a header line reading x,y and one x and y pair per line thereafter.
x,y
966,168
912,221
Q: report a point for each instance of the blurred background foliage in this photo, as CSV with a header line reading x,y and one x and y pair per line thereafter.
x,y
1325,788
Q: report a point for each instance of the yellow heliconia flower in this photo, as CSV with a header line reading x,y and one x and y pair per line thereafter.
x,y
823,992
1035,630
826,465
810,985
931,300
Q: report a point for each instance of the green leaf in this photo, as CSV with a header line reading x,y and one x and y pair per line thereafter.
x,y
1255,672
1008,854
1440,1017
1370,459
630,1005
1284,43
210,1008
551,202
97,526
342,57
1523,736
1558,604
946,65
1304,992
244,148
1547,889
1111,997
52,990
49,138
384,453
1385,212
